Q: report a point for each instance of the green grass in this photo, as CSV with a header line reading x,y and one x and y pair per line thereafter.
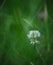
x,y
17,18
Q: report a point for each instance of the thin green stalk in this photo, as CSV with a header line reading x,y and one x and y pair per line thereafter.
x,y
46,28
46,33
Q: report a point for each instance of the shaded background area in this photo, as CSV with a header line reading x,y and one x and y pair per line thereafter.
x,y
17,18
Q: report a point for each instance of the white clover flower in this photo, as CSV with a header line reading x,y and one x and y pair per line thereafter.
x,y
33,35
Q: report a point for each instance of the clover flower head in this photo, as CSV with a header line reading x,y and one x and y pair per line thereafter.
x,y
33,35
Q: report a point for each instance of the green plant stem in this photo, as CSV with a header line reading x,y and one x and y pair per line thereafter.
x,y
46,32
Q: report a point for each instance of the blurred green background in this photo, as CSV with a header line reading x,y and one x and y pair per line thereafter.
x,y
17,18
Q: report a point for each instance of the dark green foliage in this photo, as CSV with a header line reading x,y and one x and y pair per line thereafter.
x,y
17,18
